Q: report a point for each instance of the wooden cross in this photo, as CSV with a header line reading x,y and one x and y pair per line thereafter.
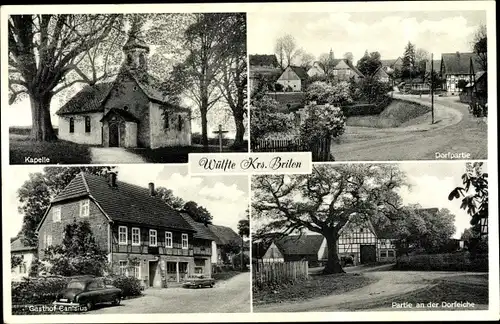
x,y
220,132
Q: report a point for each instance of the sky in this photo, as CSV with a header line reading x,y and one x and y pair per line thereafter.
x,y
386,32
429,186
225,197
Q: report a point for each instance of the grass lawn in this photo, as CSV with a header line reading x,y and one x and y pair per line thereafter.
x,y
63,152
397,113
316,286
177,154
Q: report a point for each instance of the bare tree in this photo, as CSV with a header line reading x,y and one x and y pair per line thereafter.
x,y
306,60
327,62
286,50
51,53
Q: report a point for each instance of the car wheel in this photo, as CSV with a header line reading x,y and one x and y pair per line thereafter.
x,y
116,300
211,285
89,305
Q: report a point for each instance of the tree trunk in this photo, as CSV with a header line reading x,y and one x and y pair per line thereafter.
x,y
240,130
41,129
333,264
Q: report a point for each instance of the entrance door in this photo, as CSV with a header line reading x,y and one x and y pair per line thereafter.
x,y
152,272
368,254
113,135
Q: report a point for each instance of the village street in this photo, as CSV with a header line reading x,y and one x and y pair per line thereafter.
x,y
455,131
391,286
231,296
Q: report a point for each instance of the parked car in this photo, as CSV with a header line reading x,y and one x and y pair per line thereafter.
x,y
199,281
88,292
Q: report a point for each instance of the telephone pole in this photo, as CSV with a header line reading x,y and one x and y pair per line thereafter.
x,y
432,87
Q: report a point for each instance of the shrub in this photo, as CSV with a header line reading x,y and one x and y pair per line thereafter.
x,y
36,267
266,119
444,262
41,290
237,261
130,286
324,121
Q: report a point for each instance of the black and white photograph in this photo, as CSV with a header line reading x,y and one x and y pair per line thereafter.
x,y
128,239
367,86
371,237
126,88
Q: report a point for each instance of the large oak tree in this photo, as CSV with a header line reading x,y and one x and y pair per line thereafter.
x,y
324,201
51,53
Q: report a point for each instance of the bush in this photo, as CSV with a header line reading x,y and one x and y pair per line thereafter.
x,y
444,262
322,122
42,290
130,286
237,261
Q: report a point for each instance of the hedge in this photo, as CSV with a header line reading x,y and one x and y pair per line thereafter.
x,y
366,109
41,290
44,290
444,262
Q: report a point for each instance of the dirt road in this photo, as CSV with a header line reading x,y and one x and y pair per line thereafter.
x,y
455,131
231,296
389,286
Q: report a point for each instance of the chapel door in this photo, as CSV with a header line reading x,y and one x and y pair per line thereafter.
x,y
113,135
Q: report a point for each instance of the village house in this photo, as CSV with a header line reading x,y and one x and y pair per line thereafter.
x,y
295,248
131,110
390,65
359,243
224,237
316,70
263,67
293,78
381,75
143,237
477,88
27,255
455,67
344,70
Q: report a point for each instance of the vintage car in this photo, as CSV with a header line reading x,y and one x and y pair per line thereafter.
x,y
87,292
199,281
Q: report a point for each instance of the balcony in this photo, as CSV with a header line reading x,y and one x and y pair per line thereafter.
x,y
202,251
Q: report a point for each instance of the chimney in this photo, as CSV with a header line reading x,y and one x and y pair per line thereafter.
x,y
152,189
112,179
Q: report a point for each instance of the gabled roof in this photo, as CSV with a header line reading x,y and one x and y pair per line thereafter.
x,y
380,71
124,203
202,230
89,99
355,69
224,235
389,62
478,76
299,71
127,116
459,63
92,98
263,60
299,244
18,246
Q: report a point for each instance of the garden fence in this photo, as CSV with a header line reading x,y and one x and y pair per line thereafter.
x,y
276,273
320,149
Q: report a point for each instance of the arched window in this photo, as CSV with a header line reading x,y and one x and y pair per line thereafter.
x,y
71,125
129,59
142,60
179,119
87,124
166,120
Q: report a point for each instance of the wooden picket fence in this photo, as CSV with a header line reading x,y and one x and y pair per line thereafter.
x,y
267,274
320,149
